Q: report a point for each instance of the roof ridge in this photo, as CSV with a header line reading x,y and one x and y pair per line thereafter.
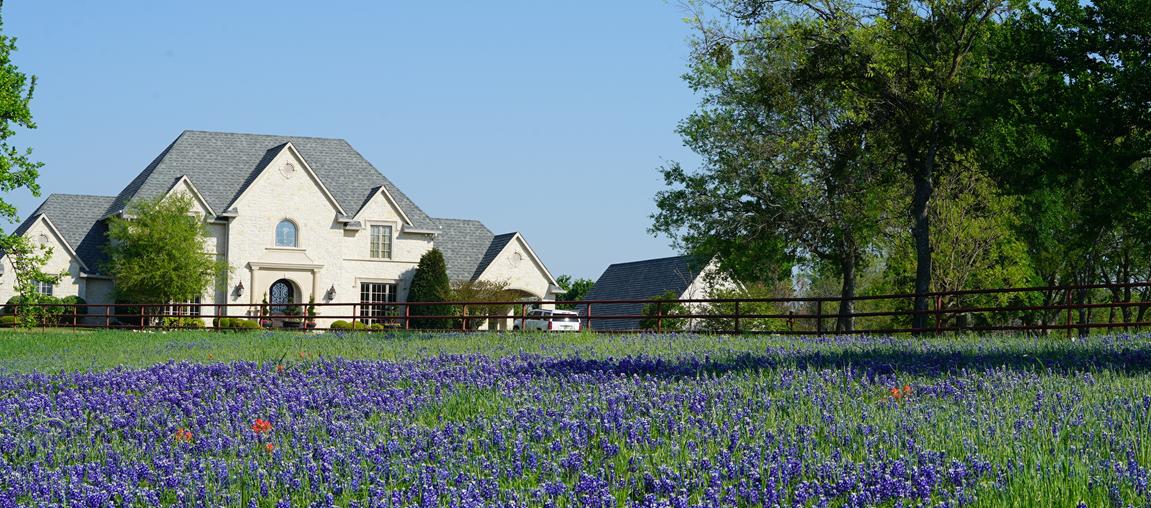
x,y
651,260
70,194
198,131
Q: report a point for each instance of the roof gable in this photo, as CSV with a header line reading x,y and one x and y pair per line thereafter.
x,y
499,244
186,183
224,164
77,218
382,193
287,150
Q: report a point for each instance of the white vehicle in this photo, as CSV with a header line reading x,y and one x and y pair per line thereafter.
x,y
550,320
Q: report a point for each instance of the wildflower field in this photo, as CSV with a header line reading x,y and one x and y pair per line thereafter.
x,y
216,419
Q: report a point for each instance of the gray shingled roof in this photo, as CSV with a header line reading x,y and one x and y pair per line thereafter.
x,y
464,244
77,217
222,164
637,280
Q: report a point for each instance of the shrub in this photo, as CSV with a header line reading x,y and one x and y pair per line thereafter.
x,y
653,311
344,325
43,310
13,303
756,291
182,322
7,321
235,324
376,327
74,308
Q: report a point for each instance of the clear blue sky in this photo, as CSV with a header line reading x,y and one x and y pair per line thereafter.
x,y
546,118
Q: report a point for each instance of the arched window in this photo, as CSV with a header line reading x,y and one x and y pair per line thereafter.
x,y
286,234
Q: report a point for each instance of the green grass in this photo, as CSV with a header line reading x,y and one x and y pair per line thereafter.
x,y
72,350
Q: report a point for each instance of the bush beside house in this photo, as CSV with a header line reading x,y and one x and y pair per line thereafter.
x,y
431,284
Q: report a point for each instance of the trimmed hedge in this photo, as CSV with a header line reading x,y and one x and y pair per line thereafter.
x,y
229,323
7,321
182,322
344,325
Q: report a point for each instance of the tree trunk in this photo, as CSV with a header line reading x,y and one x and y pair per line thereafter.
x,y
845,322
921,233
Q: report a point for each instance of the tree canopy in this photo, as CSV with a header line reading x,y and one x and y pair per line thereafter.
x,y
944,144
574,290
156,253
17,169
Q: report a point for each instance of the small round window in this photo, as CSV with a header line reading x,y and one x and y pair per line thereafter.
x,y
286,234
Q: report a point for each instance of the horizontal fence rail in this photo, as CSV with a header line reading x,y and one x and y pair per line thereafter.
x,y
1073,309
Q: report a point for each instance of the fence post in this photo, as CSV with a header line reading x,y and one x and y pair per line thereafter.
x,y
523,317
819,317
938,312
1067,300
464,323
589,316
737,317
141,316
407,316
658,317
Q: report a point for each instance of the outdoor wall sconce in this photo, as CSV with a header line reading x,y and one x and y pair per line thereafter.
x,y
240,289
331,293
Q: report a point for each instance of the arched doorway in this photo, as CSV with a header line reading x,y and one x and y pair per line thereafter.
x,y
280,295
528,301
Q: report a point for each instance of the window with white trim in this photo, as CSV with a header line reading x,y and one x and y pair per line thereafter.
x,y
381,242
45,288
374,297
286,234
184,308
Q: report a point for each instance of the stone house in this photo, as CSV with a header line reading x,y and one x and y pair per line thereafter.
x,y
294,218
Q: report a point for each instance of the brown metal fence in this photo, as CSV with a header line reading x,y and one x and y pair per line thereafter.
x,y
1072,309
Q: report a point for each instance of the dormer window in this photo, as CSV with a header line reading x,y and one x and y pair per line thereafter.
x,y
286,234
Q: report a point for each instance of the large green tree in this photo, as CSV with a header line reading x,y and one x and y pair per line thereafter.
x,y
156,253
17,169
1066,125
789,169
903,65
